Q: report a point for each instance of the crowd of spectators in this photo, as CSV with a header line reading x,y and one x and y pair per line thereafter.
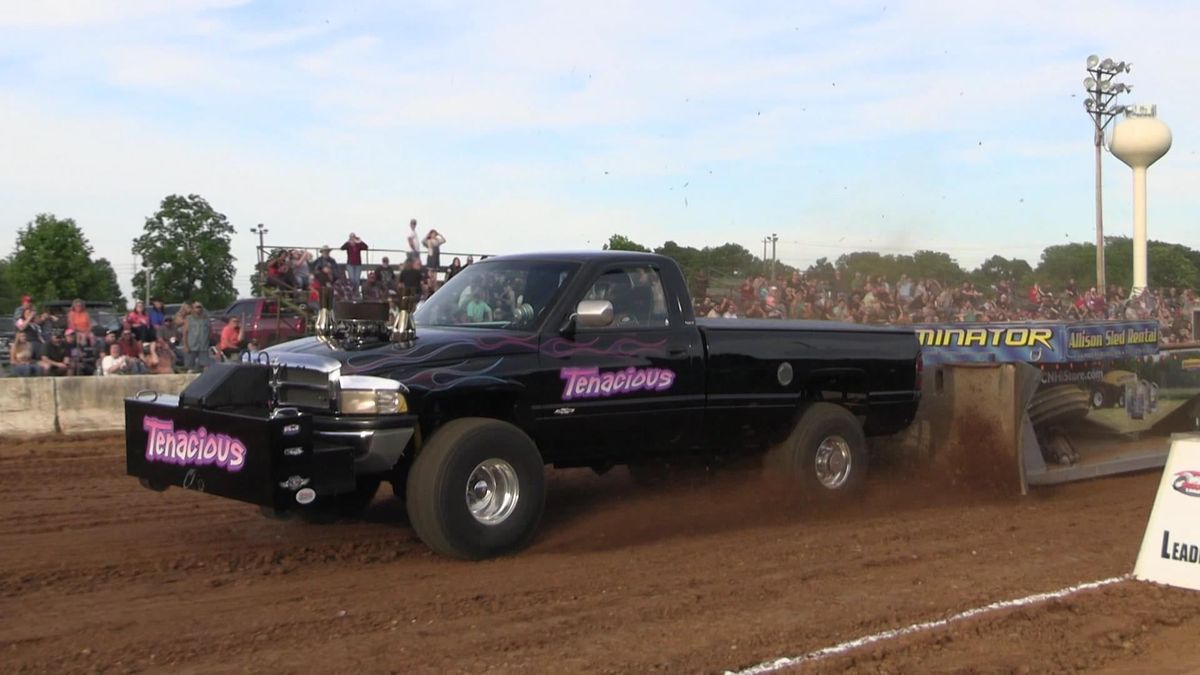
x,y
151,340
296,272
148,340
876,300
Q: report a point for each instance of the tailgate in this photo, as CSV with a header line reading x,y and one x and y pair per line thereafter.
x,y
248,456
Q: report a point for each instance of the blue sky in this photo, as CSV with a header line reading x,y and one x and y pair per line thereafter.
x,y
525,125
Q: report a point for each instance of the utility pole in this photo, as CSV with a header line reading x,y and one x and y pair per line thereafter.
x,y
774,258
261,232
1101,92
766,240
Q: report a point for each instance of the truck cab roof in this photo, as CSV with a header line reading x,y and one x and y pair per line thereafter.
x,y
578,256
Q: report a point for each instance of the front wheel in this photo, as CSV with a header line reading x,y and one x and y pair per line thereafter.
x,y
477,489
825,456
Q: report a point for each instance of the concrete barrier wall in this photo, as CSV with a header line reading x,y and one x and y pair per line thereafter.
x,y
27,406
97,403
46,405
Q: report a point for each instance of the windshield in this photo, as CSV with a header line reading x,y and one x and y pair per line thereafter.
x,y
511,295
104,317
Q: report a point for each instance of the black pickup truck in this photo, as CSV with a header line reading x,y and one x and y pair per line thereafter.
x,y
576,359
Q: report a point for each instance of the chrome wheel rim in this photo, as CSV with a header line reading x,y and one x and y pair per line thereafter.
x,y
833,462
492,491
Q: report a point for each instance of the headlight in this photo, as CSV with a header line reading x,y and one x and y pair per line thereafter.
x,y
363,395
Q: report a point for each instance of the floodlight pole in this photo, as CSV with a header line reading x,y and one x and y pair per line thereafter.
x,y
1100,280
261,232
1101,92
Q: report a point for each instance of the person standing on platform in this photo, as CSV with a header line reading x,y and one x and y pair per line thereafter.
x,y
354,248
413,241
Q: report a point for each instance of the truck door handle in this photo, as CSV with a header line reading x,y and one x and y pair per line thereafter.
x,y
677,352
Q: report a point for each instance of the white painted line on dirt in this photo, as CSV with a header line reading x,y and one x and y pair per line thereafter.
x,y
792,661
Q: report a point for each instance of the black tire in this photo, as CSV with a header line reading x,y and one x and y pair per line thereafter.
x,y
153,485
795,461
438,481
347,505
272,513
399,481
1098,400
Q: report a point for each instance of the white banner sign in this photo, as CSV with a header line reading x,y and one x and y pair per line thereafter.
x,y
1171,549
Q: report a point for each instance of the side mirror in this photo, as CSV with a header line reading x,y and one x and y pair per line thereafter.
x,y
594,314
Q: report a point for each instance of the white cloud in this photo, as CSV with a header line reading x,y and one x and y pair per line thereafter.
x,y
497,123
59,13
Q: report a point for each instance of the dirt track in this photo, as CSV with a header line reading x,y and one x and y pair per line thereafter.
x,y
97,574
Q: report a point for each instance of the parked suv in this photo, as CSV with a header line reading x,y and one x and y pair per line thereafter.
x,y
105,316
8,329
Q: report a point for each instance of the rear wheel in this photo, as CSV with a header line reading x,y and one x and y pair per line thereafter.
x,y
477,489
825,457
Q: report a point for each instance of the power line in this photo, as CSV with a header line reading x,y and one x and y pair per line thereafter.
x,y
879,247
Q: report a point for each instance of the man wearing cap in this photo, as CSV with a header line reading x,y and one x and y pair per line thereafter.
x,y
386,275
55,360
196,339
157,313
26,303
325,259
354,248
82,355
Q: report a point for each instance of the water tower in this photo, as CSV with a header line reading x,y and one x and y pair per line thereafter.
x,y
1140,140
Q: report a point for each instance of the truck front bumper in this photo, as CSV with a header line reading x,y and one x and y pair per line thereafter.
x,y
272,460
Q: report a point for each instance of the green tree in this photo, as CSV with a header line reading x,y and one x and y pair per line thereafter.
x,y
866,263
728,258
53,261
998,268
107,287
1063,262
715,261
619,242
938,265
8,296
686,257
821,269
1169,265
186,245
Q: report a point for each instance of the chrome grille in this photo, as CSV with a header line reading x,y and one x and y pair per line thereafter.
x,y
300,396
304,381
303,376
304,388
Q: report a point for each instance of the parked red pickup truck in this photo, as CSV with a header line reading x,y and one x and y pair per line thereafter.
x,y
263,319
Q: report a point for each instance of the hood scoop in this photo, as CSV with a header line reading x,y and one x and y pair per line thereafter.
x,y
363,323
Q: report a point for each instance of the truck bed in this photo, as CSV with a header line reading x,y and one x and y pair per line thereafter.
x,y
759,368
796,325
